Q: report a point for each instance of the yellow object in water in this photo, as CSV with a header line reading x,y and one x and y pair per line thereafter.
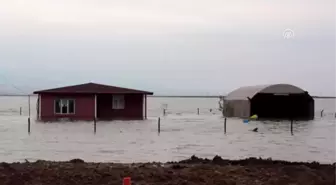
x,y
254,117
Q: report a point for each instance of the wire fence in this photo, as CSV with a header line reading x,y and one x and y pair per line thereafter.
x,y
215,111
17,105
11,112
21,108
184,112
201,120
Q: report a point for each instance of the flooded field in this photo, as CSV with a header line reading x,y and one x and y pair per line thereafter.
x,y
183,133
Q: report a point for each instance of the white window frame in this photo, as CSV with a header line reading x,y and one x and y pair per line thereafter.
x,y
118,102
67,103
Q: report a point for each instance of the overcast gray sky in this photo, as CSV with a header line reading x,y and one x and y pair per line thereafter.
x,y
168,46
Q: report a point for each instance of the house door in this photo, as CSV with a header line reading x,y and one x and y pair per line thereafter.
x,y
104,107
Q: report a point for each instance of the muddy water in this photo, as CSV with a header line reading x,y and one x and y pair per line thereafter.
x,y
183,133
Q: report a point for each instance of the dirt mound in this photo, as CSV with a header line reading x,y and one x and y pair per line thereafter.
x,y
77,161
193,171
249,161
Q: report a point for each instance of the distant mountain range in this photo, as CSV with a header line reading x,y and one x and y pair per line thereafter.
x,y
8,90
168,96
16,92
216,96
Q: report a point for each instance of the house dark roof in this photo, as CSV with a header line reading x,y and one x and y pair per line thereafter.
x,y
92,88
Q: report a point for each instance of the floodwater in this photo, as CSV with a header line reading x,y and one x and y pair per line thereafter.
x,y
183,133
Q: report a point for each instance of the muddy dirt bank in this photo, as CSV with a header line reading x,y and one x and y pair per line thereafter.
x,y
192,171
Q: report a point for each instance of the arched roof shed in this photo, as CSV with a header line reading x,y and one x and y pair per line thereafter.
x,y
278,101
243,93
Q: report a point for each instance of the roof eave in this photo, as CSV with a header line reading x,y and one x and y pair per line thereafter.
x,y
46,92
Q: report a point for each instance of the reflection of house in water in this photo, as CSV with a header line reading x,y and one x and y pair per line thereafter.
x,y
92,101
279,101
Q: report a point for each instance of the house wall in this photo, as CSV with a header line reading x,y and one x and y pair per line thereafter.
x,y
84,107
133,108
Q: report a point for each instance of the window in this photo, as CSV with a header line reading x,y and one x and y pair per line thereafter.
x,y
118,102
64,106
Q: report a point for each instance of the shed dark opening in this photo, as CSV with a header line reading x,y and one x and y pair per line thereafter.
x,y
277,101
283,106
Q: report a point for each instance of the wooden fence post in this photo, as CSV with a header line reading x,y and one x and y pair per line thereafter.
x,y
94,125
28,125
159,126
225,125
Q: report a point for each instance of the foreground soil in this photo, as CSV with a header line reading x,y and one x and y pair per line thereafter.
x,y
193,171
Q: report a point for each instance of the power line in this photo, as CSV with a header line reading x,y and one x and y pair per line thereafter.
x,y
12,85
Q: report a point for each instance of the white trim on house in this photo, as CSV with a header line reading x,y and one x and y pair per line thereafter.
x,y
146,107
39,113
95,108
143,106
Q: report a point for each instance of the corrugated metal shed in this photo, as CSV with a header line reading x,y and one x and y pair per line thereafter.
x,y
250,91
92,88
